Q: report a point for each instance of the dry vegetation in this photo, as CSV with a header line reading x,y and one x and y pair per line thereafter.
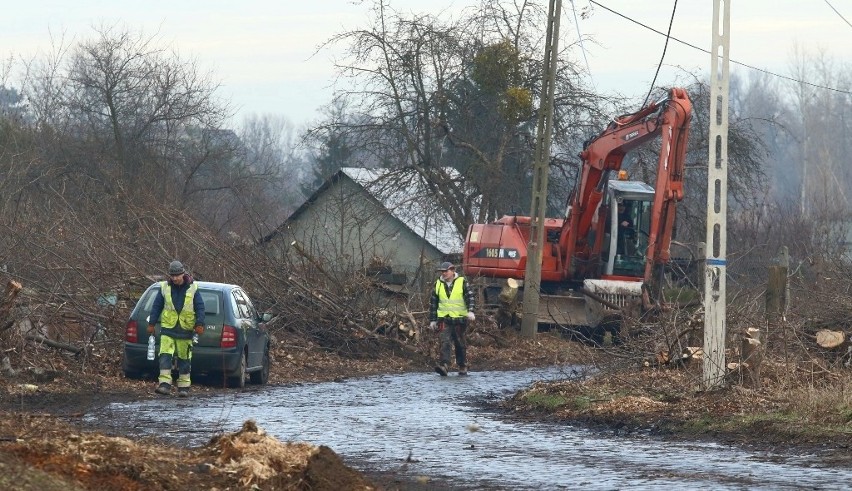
x,y
801,397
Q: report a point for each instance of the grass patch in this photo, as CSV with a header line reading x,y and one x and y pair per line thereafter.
x,y
551,401
773,426
581,403
547,402
845,413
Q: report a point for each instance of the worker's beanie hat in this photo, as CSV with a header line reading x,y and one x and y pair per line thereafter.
x,y
445,266
175,267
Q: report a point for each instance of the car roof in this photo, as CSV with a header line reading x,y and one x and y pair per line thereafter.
x,y
216,286
209,285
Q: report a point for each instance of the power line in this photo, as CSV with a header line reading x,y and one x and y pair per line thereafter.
x,y
580,37
838,13
663,56
791,79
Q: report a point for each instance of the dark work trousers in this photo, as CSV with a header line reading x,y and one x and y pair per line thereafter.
x,y
454,334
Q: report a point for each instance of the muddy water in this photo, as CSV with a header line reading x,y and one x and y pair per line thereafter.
x,y
424,425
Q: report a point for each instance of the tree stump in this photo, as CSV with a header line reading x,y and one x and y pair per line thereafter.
x,y
778,297
830,339
776,286
508,303
751,353
12,289
836,345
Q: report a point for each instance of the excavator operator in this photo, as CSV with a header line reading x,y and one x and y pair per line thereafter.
x,y
626,232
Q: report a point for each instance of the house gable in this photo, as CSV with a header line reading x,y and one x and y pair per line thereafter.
x,y
345,226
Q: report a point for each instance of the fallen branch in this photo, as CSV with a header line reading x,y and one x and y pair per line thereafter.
x,y
362,329
314,261
53,344
411,318
600,299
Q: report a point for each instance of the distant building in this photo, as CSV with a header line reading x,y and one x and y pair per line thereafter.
x,y
365,220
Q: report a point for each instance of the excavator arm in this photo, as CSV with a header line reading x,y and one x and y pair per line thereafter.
x,y
604,154
668,189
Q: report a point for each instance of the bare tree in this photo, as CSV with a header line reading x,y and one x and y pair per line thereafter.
x,y
120,114
824,140
265,176
427,94
132,99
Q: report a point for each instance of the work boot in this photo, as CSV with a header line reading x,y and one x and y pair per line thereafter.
x,y
183,392
441,369
164,389
463,370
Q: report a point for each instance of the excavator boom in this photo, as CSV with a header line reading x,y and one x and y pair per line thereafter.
x,y
604,155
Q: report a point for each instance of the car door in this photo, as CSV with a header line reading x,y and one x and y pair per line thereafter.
x,y
249,326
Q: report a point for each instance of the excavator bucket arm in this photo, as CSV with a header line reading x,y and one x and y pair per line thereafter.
x,y
604,154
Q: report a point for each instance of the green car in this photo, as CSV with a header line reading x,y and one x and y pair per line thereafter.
x,y
235,343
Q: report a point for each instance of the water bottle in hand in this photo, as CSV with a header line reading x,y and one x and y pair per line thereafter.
x,y
152,347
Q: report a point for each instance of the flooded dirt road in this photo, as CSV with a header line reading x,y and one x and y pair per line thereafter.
x,y
423,425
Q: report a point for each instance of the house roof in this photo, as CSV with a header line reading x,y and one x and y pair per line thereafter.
x,y
413,205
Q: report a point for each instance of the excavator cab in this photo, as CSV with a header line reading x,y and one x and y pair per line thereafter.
x,y
625,244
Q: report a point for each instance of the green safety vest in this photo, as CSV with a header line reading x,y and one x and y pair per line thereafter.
x,y
452,305
170,316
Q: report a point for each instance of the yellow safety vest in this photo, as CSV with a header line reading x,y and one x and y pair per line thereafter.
x,y
451,305
170,316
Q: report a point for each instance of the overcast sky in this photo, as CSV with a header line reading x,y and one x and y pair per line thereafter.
x,y
263,50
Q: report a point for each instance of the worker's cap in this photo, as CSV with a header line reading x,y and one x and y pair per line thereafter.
x,y
175,268
445,266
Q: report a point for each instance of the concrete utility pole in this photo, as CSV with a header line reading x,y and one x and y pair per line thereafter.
x,y
715,268
541,170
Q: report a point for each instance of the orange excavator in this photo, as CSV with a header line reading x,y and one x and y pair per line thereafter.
x,y
615,239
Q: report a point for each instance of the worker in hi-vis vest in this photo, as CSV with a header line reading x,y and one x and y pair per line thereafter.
x,y
450,309
179,309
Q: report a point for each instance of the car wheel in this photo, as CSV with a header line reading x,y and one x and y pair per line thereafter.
x,y
238,379
133,374
129,372
261,377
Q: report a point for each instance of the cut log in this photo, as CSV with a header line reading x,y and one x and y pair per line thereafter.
x,y
415,326
830,339
693,352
